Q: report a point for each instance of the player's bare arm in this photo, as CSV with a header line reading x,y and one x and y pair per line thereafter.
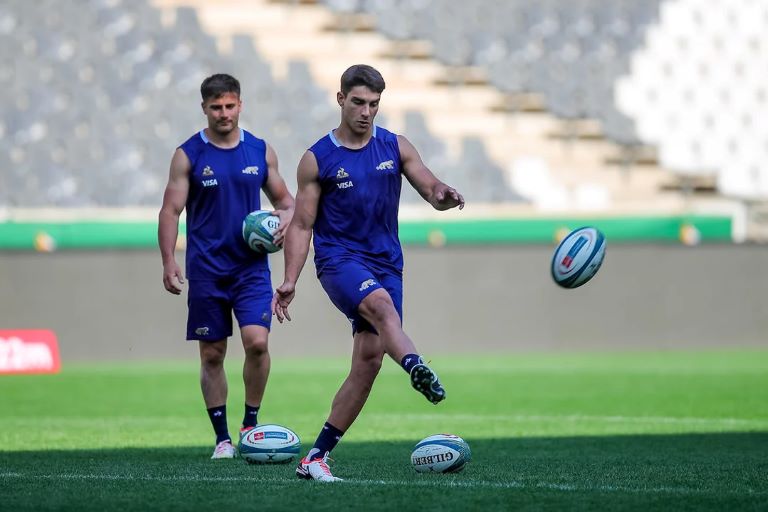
x,y
278,194
434,191
299,234
174,201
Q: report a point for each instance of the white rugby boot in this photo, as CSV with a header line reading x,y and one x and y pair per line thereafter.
x,y
316,469
224,450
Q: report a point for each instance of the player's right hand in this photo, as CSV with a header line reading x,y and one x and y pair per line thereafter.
x,y
285,217
284,294
173,278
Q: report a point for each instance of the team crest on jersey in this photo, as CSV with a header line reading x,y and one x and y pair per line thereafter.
x,y
207,171
388,165
340,175
251,169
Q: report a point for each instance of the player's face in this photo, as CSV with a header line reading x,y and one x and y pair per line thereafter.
x,y
223,112
358,108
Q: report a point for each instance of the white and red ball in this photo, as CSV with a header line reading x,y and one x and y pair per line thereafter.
x,y
578,257
440,453
269,444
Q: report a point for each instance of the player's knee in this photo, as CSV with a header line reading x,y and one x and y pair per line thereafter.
x,y
255,346
255,339
212,355
378,308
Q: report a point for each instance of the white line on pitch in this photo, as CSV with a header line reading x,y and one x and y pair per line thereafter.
x,y
390,483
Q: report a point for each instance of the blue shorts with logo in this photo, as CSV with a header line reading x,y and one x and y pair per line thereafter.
x,y
348,282
212,301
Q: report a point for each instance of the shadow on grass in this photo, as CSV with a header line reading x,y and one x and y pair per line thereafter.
x,y
696,472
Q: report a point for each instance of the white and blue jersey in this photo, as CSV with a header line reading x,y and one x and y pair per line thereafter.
x,y
358,208
224,186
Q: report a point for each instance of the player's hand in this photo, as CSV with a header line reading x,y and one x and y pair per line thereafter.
x,y
447,197
285,217
284,294
173,278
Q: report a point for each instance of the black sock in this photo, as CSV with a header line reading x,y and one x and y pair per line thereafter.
x,y
251,416
327,440
409,361
218,416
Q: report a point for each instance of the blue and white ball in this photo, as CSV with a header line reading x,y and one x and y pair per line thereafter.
x,y
578,257
440,453
269,444
259,229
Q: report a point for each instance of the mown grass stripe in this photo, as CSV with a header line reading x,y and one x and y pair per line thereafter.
x,y
760,423
390,483
651,420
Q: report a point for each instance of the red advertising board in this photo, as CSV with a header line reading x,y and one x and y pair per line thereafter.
x,y
29,351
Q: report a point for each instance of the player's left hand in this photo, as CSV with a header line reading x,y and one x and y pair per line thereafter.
x,y
285,217
447,197
284,294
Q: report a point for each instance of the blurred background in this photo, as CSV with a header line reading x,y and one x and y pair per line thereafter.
x,y
646,118
571,105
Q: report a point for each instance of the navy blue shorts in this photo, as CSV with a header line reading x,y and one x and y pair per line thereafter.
x,y
212,301
348,282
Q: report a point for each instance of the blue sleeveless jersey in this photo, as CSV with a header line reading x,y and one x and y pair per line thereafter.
x,y
357,211
224,186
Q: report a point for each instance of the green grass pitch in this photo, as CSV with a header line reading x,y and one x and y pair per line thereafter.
x,y
582,431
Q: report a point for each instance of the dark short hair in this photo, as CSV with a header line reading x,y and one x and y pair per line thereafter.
x,y
218,84
362,74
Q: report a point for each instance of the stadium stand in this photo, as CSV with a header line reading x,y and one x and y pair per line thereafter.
x,y
561,105
96,111
456,103
663,62
698,90
570,52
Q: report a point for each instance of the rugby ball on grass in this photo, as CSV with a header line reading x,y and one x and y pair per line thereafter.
x,y
440,453
259,229
578,257
269,444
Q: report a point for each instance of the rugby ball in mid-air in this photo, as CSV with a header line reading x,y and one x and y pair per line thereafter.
x,y
269,444
441,453
259,229
578,257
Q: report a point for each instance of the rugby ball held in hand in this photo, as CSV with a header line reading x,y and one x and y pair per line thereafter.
x,y
440,453
269,444
259,229
578,257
